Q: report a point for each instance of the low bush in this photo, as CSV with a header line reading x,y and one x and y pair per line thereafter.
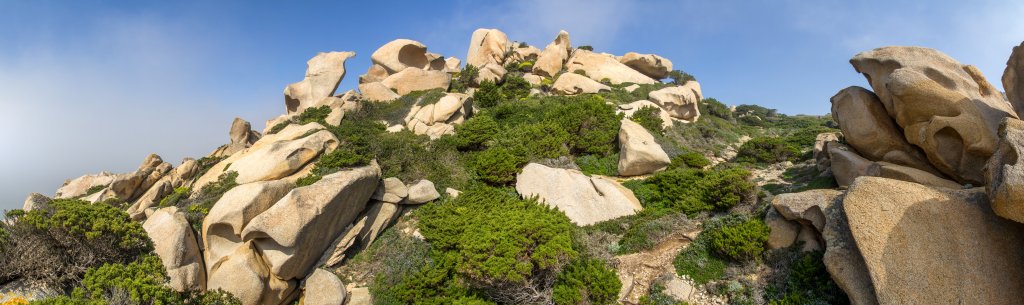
x,y
94,189
766,150
711,106
593,126
57,245
535,141
199,204
692,191
599,165
314,115
497,165
509,249
341,158
488,95
737,238
586,281
808,282
464,78
178,195
514,87
698,263
586,47
679,77
647,117
475,132
689,159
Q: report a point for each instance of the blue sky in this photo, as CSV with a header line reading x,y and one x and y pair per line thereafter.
x,y
87,86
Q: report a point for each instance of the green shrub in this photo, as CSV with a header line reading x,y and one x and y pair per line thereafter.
x,y
175,197
692,191
599,165
497,165
593,126
711,106
679,77
464,78
475,132
535,141
586,281
514,87
586,47
314,115
278,127
689,159
341,158
501,245
57,245
412,157
808,282
697,262
738,239
525,66
94,189
648,117
766,150
199,204
488,95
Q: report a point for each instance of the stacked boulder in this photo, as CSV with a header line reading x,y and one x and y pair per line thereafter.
x,y
403,66
439,118
585,200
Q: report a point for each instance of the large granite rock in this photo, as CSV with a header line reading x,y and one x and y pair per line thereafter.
x,y
681,102
81,185
586,200
487,46
573,84
842,259
1004,179
868,128
323,74
783,232
909,174
946,108
639,153
293,134
294,232
439,118
846,164
924,245
416,79
399,54
1013,79
807,207
176,245
820,151
283,158
244,274
602,66
551,60
222,227
323,288
35,201
653,66
377,92
629,109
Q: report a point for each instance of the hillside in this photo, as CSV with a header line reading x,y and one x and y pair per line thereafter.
x,y
555,175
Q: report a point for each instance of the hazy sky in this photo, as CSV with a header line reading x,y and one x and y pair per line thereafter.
x,y
87,86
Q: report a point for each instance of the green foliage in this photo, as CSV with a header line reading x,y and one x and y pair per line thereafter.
x,y
648,117
175,197
711,106
710,135
689,159
464,78
592,124
658,297
488,95
767,150
586,281
497,165
535,141
737,238
514,87
809,282
199,204
57,245
499,243
586,47
206,163
698,263
94,189
428,97
525,66
679,77
761,112
475,132
599,165
692,191
279,127
341,158
314,115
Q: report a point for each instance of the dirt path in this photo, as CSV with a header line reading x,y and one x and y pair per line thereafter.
x,y
638,271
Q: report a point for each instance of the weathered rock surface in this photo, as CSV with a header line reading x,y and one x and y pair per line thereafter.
x,y
681,102
586,200
391,190
415,79
294,232
846,163
487,46
924,245
242,136
842,259
1013,79
490,73
573,84
421,192
551,60
946,108
820,150
378,92
437,119
35,201
282,158
323,74
176,245
399,54
807,207
909,174
653,66
783,232
79,186
222,227
630,108
323,288
639,153
601,66
868,128
1004,179
359,296
244,274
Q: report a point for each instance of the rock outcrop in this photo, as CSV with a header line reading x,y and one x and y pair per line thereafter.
x,y
1013,79
323,74
397,55
323,288
868,128
639,154
1004,179
439,118
415,79
602,66
177,247
222,227
574,84
681,102
553,58
487,46
628,109
653,66
586,200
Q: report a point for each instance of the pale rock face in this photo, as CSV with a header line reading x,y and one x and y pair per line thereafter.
x,y
130,186
360,296
842,259
681,102
377,92
807,207
533,79
436,62
573,84
379,215
400,54
639,154
453,64
289,133
222,227
176,245
550,61
629,109
868,128
909,174
453,193
421,192
491,73
586,200
487,46
244,274
375,73
415,79
600,66
923,245
1004,179
527,53
809,238
241,135
680,289
437,119
783,232
653,66
323,74
1013,79
820,151
36,201
846,163
79,186
294,232
391,190
279,119
323,288
946,108
283,158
